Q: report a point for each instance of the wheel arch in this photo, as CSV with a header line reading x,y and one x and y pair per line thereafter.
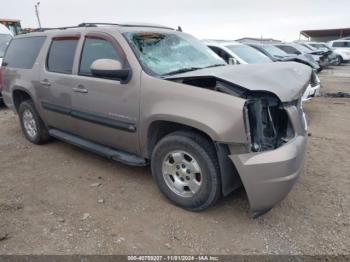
x,y
19,95
230,179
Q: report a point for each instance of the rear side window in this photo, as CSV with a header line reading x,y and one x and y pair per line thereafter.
x,y
22,52
61,55
94,49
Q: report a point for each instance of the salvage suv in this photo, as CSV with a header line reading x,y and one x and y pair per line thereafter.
x,y
143,94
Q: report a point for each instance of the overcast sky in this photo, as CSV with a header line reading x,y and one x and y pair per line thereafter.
x,y
217,19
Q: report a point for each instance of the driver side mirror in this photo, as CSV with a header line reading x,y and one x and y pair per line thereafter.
x,y
233,61
109,68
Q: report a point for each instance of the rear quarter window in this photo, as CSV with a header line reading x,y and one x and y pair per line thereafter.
x,y
22,52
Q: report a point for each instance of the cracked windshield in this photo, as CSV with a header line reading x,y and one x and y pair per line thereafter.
x,y
166,54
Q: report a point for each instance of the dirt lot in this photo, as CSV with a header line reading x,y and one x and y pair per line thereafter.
x,y
58,199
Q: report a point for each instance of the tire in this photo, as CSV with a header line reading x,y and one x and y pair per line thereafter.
x,y
203,152
339,60
41,135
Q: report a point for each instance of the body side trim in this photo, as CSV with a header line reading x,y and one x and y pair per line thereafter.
x,y
125,126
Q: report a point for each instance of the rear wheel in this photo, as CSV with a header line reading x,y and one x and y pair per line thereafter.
x,y
31,123
186,170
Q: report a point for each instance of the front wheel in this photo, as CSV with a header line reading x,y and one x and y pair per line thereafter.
x,y
339,60
186,170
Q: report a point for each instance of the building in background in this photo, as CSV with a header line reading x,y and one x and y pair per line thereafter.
x,y
12,24
325,35
252,40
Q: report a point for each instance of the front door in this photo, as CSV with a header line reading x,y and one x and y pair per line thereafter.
x,y
106,110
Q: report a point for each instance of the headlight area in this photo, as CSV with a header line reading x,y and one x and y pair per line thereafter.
x,y
267,123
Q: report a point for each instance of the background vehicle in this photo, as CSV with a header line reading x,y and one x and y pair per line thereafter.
x,y
342,48
276,54
236,53
327,56
294,49
144,94
335,59
13,25
5,38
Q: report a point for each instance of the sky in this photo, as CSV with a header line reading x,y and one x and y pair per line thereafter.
x,y
205,19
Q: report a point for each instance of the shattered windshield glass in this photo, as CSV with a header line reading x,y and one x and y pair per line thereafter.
x,y
165,54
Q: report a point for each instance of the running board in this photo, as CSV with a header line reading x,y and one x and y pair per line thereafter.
x,y
101,150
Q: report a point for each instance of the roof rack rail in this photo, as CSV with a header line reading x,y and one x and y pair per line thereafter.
x,y
43,29
125,25
97,24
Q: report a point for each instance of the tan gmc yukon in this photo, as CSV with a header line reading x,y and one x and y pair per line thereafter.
x,y
144,94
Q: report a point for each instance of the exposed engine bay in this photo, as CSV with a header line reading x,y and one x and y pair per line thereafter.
x,y
267,123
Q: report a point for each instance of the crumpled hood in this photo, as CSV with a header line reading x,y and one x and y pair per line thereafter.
x,y
287,80
302,59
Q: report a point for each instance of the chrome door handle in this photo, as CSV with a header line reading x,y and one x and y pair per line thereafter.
x,y
45,82
80,89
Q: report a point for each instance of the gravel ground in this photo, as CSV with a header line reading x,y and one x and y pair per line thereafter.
x,y
58,199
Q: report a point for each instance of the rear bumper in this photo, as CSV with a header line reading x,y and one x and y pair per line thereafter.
x,y
269,176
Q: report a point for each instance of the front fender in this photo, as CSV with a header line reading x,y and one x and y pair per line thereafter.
x,y
217,114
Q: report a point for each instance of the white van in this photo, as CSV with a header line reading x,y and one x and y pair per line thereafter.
x,y
342,48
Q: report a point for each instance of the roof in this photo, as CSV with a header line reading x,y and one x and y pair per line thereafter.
x,y
326,32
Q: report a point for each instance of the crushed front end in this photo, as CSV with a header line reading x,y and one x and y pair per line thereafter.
x,y
276,134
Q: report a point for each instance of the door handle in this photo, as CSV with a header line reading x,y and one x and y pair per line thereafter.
x,y
45,82
80,89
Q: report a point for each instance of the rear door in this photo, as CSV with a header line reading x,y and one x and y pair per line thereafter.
x,y
106,110
57,81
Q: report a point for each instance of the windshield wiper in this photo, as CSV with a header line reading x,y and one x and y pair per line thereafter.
x,y
182,70
216,65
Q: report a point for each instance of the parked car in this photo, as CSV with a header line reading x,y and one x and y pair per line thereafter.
x,y
294,49
278,55
5,38
342,48
327,56
144,94
245,54
335,59
236,53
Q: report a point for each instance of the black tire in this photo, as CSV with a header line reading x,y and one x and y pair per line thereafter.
x,y
42,135
204,153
